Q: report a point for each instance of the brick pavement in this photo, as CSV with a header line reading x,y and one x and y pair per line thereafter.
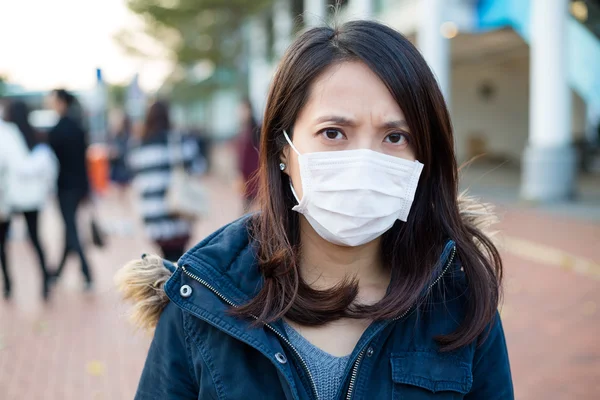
x,y
551,313
80,346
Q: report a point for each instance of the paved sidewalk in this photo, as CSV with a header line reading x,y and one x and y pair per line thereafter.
x,y
81,346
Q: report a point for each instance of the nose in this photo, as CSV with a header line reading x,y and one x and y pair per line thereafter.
x,y
366,138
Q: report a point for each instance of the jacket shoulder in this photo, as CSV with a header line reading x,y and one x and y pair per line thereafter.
x,y
142,281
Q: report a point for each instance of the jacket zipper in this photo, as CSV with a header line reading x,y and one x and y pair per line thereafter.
x,y
312,382
232,304
360,355
362,352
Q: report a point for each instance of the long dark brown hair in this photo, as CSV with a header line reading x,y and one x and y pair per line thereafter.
x,y
157,120
17,112
410,249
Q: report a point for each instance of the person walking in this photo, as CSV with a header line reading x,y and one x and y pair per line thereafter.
x,y
32,179
152,161
247,149
363,276
12,151
69,143
118,148
28,171
120,174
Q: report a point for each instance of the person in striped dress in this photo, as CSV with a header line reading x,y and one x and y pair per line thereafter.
x,y
151,161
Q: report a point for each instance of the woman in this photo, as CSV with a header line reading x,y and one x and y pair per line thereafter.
x,y
119,145
69,142
151,162
32,178
13,150
248,142
360,277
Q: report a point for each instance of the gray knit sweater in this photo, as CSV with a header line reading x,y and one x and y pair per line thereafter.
x,y
327,370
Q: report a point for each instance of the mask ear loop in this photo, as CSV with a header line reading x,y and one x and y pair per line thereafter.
x,y
290,143
297,152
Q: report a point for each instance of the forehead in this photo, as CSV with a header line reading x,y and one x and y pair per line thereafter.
x,y
351,87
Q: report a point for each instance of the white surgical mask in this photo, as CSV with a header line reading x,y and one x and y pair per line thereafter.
x,y
351,197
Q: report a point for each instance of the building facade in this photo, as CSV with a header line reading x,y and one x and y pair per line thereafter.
x,y
520,76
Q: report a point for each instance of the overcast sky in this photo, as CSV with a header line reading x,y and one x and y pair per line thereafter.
x,y
50,43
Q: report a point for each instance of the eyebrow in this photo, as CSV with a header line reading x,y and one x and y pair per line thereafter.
x,y
395,124
349,122
336,119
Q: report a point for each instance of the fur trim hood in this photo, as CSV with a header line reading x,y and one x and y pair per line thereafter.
x,y
141,281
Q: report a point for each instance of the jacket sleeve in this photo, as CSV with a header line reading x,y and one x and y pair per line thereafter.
x,y
491,368
168,373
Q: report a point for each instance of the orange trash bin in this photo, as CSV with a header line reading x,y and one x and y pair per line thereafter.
x,y
98,168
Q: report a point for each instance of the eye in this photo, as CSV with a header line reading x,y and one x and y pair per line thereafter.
x,y
397,138
332,134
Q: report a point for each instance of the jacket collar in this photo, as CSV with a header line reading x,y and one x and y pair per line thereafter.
x,y
225,262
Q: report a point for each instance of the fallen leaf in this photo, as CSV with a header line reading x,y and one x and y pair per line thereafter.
x,y
41,327
589,308
98,396
96,368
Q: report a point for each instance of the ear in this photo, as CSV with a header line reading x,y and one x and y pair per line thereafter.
x,y
284,157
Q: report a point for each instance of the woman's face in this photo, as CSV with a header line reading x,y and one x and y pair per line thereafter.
x,y
348,108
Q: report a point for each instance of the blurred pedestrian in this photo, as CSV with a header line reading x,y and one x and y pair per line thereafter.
x,y
32,180
32,172
247,154
119,143
69,142
13,149
364,275
152,160
204,144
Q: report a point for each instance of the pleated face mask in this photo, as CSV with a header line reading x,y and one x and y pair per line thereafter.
x,y
351,197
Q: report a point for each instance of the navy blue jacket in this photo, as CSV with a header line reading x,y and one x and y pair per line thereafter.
x,y
199,351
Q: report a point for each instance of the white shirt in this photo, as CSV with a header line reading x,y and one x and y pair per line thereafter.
x,y
26,177
12,149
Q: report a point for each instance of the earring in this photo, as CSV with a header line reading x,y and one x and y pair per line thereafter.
x,y
282,166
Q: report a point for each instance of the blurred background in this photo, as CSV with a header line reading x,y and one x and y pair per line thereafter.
x,y
522,80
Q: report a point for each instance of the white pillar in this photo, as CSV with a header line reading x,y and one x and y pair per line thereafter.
x,y
550,98
549,163
283,26
362,8
432,44
315,12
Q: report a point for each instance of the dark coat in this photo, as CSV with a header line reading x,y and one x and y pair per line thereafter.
x,y
69,143
199,351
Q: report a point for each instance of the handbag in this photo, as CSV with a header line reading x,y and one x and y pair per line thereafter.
x,y
186,197
89,216
98,237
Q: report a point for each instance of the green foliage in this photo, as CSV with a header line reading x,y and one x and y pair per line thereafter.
x,y
116,95
194,31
